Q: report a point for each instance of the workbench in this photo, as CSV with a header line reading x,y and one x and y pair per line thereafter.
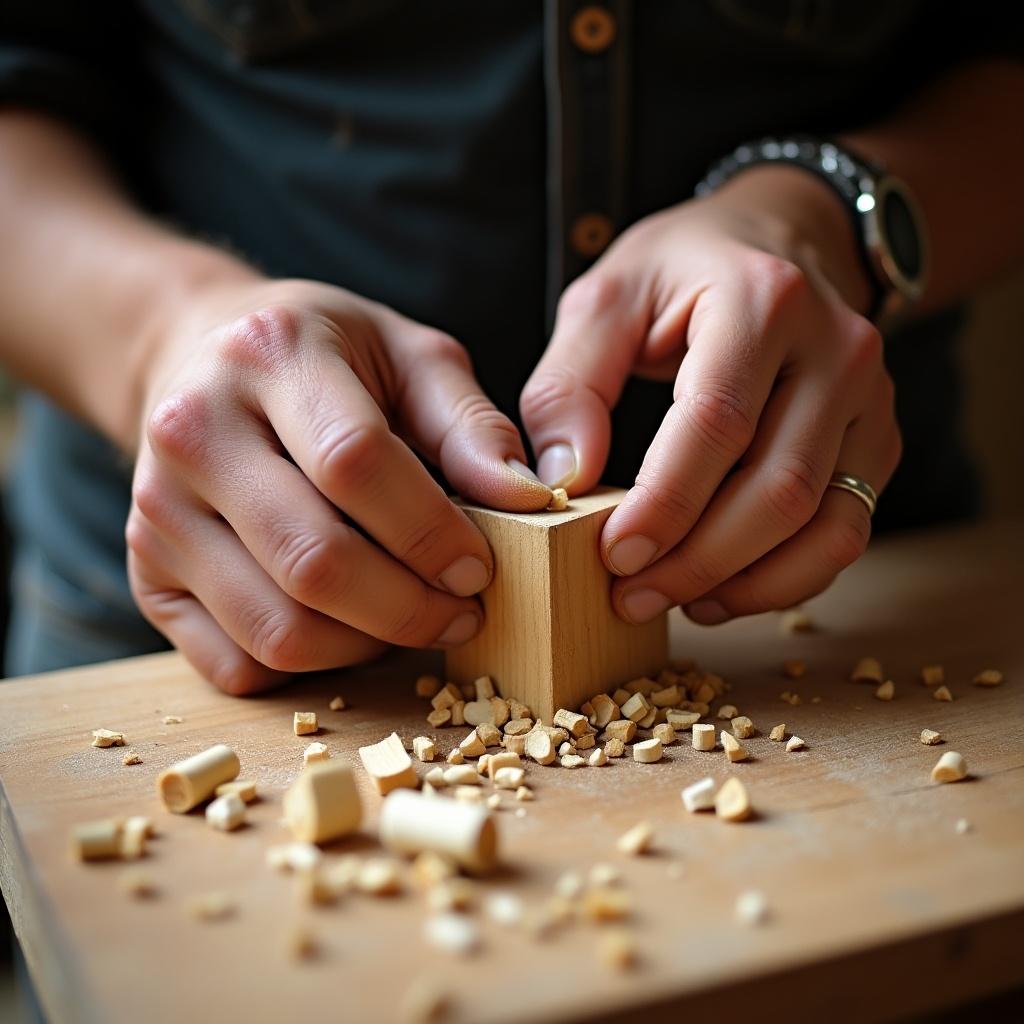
x,y
879,906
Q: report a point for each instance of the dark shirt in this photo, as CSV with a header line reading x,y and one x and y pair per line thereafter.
x,y
460,161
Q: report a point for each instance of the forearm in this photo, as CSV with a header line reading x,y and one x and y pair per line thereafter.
x,y
956,147
85,278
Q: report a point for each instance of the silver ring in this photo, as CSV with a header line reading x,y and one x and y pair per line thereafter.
x,y
861,488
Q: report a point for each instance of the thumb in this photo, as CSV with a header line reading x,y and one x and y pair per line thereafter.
x,y
566,404
453,423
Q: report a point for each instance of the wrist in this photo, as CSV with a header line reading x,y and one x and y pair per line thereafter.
x,y
802,219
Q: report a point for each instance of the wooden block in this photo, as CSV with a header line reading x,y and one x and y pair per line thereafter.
x,y
550,638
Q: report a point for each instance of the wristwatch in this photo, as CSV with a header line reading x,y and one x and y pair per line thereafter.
x,y
888,224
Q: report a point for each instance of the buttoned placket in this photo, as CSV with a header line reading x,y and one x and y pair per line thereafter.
x,y
587,87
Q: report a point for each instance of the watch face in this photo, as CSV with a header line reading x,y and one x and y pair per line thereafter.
x,y
901,230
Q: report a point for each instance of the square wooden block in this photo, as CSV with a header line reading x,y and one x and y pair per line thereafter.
x,y
551,638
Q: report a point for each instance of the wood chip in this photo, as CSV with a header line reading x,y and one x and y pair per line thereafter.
x,y
942,693
524,793
796,621
615,747
732,802
452,933
458,713
297,857
455,757
301,942
506,759
452,894
962,827
461,775
574,724
617,949
703,737
509,778
379,876
472,745
572,761
867,670
727,712
131,756
932,675
138,884
680,720
794,669
490,735
622,728
794,743
107,738
439,717
598,758
98,840
424,748
476,712
172,720
637,840
951,767
388,764
483,687
211,906
559,500
751,908
518,727
647,751
778,733
315,752
518,711
445,697
604,903
886,691
636,708
540,747
988,677
304,723
743,728
604,875
323,802
667,697
226,813
426,687
425,1002
700,796
338,703
734,750
929,737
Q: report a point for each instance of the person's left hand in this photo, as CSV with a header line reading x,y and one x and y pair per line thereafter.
x,y
749,299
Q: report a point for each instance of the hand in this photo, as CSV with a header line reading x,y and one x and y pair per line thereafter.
x,y
280,520
749,299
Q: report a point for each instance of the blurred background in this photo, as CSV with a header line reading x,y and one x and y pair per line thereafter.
x,y
993,365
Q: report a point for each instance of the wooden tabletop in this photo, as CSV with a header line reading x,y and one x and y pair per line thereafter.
x,y
879,906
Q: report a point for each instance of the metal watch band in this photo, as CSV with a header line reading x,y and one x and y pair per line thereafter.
x,y
854,180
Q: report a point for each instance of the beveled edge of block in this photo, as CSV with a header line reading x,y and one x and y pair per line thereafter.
x,y
597,500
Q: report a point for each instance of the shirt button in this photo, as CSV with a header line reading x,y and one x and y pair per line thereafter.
x,y
592,29
590,234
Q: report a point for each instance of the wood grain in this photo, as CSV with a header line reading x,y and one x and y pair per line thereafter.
x,y
879,908
550,638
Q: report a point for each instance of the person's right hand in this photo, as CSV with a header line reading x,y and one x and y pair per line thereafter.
x,y
280,520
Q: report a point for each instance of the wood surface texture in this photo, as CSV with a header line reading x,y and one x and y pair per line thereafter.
x,y
550,638
879,908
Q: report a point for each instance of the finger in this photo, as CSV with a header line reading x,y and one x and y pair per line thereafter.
x,y
337,434
195,633
302,544
762,504
456,426
566,404
836,537
721,388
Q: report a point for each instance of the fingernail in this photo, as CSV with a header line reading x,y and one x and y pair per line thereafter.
x,y
558,465
644,605
631,554
460,629
707,612
466,575
523,470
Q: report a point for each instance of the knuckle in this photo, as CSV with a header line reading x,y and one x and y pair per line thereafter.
x,y
152,500
178,428
864,347
261,339
434,346
412,625
546,393
591,294
721,417
672,504
309,566
349,454
794,488
236,674
277,639
138,536
847,540
781,283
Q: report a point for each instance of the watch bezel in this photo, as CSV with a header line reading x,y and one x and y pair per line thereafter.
x,y
878,242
